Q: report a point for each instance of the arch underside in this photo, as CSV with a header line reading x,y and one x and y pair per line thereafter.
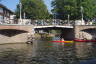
x,y
66,33
91,32
11,32
52,28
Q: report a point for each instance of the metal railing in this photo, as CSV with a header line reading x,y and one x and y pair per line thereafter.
x,y
51,22
43,22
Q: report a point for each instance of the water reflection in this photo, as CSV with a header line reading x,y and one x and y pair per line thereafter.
x,y
44,52
85,52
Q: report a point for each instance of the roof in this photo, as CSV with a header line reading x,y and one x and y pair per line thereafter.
x,y
1,5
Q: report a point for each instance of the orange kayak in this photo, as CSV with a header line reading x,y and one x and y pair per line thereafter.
x,y
63,41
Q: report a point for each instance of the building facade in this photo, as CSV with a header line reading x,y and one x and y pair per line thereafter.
x,y
5,15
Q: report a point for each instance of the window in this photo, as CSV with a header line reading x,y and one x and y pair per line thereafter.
x,y
1,10
1,19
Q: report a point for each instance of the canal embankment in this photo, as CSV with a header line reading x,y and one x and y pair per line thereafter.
x,y
22,38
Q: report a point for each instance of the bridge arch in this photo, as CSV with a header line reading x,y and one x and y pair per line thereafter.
x,y
66,32
88,32
14,33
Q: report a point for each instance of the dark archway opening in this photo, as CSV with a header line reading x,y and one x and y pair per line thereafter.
x,y
65,33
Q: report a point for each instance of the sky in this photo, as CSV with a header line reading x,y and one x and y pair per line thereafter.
x,y
11,4
48,3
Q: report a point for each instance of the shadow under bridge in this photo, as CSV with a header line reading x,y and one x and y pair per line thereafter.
x,y
11,32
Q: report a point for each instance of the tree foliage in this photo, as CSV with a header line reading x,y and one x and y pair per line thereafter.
x,y
34,9
63,8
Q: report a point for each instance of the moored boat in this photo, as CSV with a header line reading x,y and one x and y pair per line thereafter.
x,y
77,40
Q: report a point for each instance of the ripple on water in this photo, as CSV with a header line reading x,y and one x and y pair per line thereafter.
x,y
40,53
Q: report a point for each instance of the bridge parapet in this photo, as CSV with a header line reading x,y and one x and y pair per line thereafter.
x,y
27,28
52,22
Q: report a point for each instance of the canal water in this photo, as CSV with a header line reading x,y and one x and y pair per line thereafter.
x,y
42,51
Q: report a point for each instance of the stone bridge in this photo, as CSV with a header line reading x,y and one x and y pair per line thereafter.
x,y
19,33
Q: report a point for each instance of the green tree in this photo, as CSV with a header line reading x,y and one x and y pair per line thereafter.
x,y
34,9
63,8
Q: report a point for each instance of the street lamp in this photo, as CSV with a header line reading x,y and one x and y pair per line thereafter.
x,y
82,13
68,19
20,11
54,18
24,15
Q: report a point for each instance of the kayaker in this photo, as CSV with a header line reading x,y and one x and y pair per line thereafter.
x,y
62,39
